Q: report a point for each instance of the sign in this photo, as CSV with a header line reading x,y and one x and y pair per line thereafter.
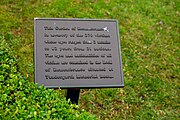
x,y
77,53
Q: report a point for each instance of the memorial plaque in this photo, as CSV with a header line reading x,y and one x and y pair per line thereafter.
x,y
77,53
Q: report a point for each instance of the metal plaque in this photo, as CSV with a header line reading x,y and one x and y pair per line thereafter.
x,y
77,53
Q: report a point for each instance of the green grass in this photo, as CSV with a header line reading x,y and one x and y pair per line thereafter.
x,y
150,40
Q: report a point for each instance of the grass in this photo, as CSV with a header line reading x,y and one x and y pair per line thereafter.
x,y
150,40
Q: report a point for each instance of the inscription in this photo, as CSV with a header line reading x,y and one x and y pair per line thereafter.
x,y
88,40
62,28
59,35
59,77
86,55
69,70
52,63
50,42
91,76
74,42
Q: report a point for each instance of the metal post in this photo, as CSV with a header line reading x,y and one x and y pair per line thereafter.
x,y
73,95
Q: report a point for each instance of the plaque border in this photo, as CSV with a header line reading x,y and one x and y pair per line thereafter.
x,y
82,86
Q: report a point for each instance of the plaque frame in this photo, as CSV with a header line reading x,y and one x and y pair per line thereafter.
x,y
85,85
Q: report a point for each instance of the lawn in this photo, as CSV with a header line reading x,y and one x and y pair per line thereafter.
x,y
150,40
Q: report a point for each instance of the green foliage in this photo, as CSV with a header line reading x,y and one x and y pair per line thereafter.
x,y
20,99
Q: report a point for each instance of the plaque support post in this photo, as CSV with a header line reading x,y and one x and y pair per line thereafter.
x,y
73,95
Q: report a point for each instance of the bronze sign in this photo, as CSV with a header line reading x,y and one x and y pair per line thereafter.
x,y
77,53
